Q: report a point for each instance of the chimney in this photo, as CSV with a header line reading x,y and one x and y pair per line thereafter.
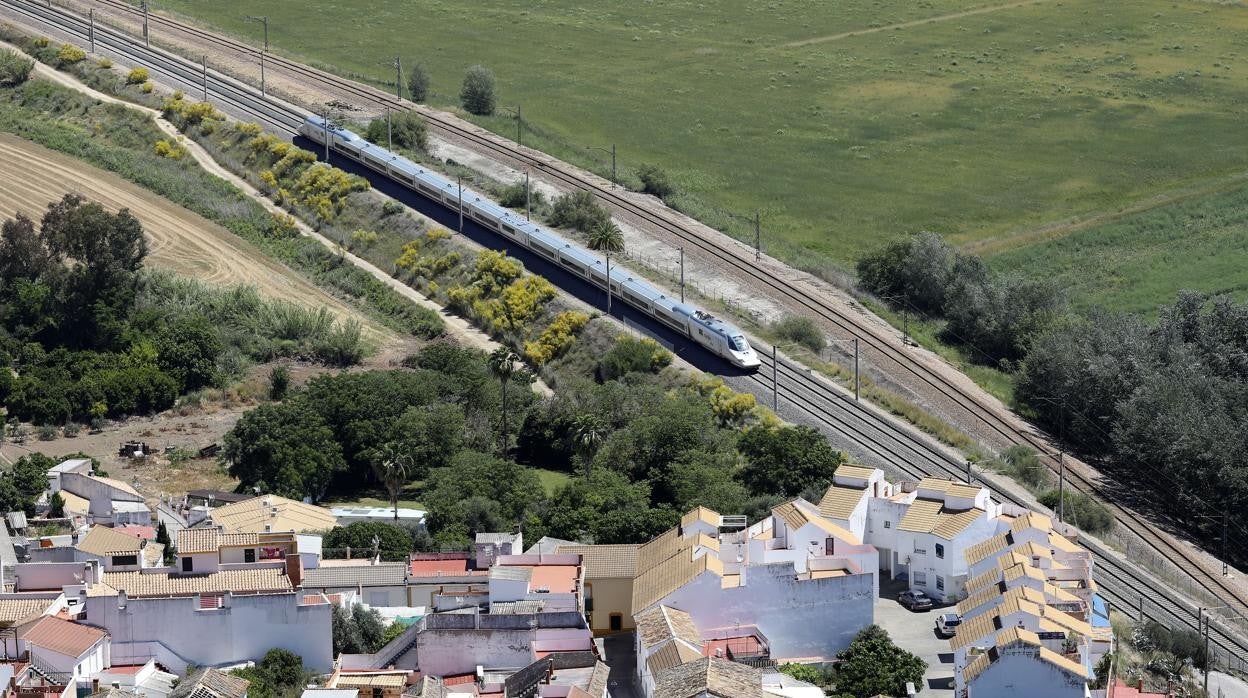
x,y
116,684
294,569
95,685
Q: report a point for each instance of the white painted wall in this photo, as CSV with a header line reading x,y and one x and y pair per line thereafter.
x,y
243,631
1018,673
801,619
442,652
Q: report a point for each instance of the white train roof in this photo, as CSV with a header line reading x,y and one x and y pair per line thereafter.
x,y
622,275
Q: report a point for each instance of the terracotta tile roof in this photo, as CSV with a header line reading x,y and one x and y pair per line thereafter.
x,y
381,574
708,676
661,623
671,654
372,678
839,501
278,513
704,515
210,540
799,512
102,540
936,483
984,549
211,683
604,561
1010,637
1031,520
670,574
667,544
961,489
598,680
61,636
116,484
931,516
74,503
144,532
14,611
859,471
138,584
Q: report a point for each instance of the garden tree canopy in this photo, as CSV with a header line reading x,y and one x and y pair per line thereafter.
x,y
394,541
477,94
280,674
475,484
873,665
787,460
576,509
357,631
285,449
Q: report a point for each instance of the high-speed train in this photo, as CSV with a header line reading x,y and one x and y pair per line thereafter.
x,y
711,332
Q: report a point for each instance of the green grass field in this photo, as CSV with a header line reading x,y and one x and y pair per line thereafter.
x,y
983,123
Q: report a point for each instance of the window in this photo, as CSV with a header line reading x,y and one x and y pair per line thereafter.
x,y
940,550
122,560
920,578
940,582
249,555
616,622
888,524
187,564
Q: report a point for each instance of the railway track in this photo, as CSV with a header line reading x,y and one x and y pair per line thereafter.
x,y
888,442
1132,590
887,352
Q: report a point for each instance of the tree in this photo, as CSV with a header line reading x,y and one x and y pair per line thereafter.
x,y
286,449
393,541
787,460
634,525
162,537
56,507
358,631
477,94
406,129
392,469
430,435
607,238
515,490
588,431
917,269
418,83
502,363
655,181
187,351
873,665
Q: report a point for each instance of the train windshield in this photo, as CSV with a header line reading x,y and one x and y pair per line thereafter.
x,y
738,343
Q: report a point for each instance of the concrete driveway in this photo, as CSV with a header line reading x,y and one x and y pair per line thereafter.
x,y
916,632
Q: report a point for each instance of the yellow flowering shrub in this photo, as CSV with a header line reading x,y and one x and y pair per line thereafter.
x,y
137,76
557,337
70,54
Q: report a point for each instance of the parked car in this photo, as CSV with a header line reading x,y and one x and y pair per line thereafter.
x,y
915,600
947,624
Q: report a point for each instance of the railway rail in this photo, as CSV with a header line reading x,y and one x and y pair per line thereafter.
x,y
819,400
884,346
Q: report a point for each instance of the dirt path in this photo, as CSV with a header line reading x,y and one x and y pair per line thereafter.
x,y
911,23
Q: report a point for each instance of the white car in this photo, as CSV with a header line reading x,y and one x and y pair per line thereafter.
x,y
947,624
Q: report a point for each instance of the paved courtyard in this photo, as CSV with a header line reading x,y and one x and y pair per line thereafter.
x,y
916,632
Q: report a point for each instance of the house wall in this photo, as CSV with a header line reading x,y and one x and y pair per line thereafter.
x,y
442,652
99,494
89,664
1018,674
201,563
246,628
801,619
611,596
395,595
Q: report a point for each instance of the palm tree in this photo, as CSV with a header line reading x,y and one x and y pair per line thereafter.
x,y
502,364
588,431
392,467
606,236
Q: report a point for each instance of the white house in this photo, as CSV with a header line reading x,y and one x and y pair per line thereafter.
x,y
379,583
111,502
118,551
845,501
1020,666
208,549
61,646
81,466
923,530
803,583
230,616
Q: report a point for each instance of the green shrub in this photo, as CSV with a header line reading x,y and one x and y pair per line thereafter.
x,y
48,432
513,196
417,83
655,181
800,329
578,210
363,239
1081,510
14,69
391,208
407,129
1023,464
137,76
633,355
104,63
279,382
